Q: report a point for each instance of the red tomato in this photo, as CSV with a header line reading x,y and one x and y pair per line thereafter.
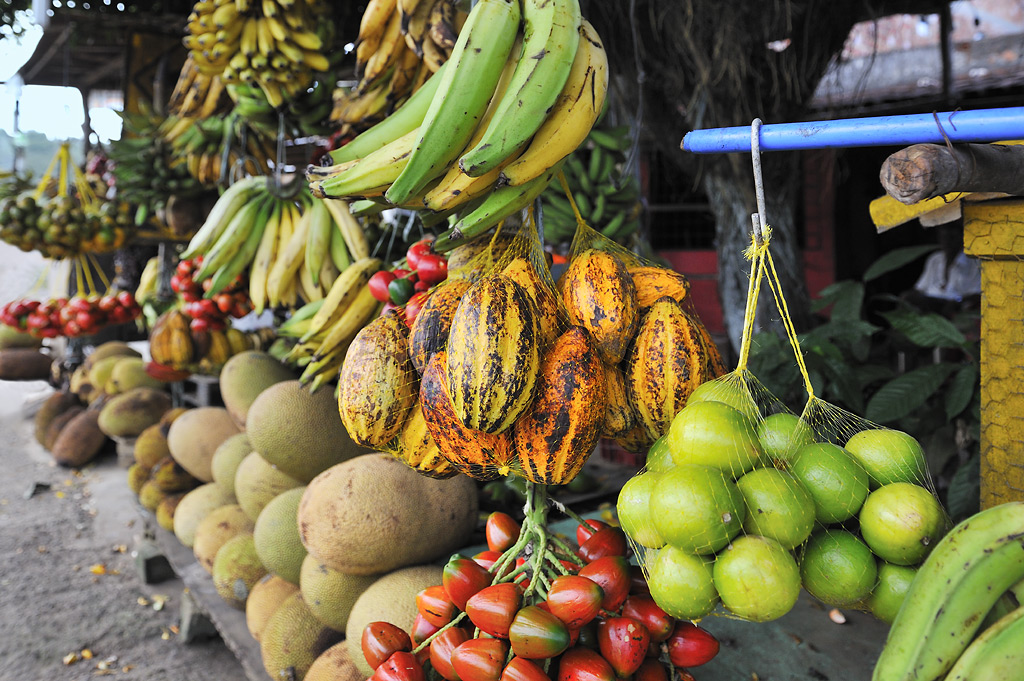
x,y
433,269
413,307
645,611
462,578
583,664
79,304
637,581
126,298
441,651
537,635
420,286
382,639
493,608
108,302
623,642
417,251
401,273
612,574
435,606
420,631
691,646
86,320
651,670
607,541
575,600
502,531
583,532
480,659
71,329
521,669
487,558
379,285
225,302
401,666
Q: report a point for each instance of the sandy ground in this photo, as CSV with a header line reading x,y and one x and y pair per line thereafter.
x,y
52,544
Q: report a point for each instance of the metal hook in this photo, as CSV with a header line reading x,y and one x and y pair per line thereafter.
x,y
758,218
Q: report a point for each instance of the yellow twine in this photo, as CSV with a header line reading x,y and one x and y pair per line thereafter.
x,y
78,274
756,254
787,321
41,187
99,271
572,202
65,161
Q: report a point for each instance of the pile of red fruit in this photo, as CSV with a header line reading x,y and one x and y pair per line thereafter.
x,y
594,622
409,286
209,314
70,317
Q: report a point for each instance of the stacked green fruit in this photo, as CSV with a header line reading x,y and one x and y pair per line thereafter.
x,y
607,197
745,510
60,227
145,169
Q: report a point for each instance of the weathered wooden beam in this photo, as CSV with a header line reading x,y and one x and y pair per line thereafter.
x,y
925,171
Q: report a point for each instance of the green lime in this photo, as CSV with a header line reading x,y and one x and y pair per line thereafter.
x,y
837,483
659,456
730,391
888,456
893,584
633,509
782,434
756,578
696,508
837,568
681,583
778,506
902,522
714,434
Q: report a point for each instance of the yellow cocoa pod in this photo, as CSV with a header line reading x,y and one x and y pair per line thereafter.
x,y
523,272
481,456
558,433
493,354
377,386
429,332
666,363
418,451
619,417
657,282
599,295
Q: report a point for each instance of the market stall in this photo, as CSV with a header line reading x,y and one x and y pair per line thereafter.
x,y
418,400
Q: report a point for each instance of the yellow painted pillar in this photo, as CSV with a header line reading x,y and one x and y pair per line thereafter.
x,y
994,232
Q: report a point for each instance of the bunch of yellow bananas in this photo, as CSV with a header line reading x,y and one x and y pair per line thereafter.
x,y
197,94
276,44
293,247
482,138
198,143
401,43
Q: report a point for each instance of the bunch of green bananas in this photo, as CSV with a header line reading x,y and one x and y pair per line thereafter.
x,y
145,169
486,134
306,114
608,201
274,44
935,635
198,145
400,44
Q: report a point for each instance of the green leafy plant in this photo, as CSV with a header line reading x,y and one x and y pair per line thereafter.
x,y
853,359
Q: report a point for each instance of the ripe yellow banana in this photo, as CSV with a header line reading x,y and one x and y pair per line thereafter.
x,y
281,280
375,19
351,231
387,52
441,24
362,310
573,115
318,242
264,259
342,294
416,27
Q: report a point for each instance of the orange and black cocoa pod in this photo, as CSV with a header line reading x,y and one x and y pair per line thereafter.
x,y
429,332
599,295
493,354
523,272
619,416
377,387
479,455
417,449
558,433
636,440
666,363
657,282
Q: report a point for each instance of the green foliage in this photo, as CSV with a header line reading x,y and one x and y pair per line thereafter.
x,y
853,361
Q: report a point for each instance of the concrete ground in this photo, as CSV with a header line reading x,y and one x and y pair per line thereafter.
x,y
72,606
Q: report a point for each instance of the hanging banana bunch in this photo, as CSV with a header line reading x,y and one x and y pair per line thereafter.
x,y
519,93
277,45
197,93
401,44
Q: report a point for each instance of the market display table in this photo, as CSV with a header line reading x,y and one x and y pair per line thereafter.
x,y
230,622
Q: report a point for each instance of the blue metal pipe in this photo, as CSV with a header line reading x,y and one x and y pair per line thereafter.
x,y
984,125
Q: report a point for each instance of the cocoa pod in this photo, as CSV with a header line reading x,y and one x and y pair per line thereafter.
x,y
429,332
619,416
523,272
558,433
599,295
657,282
416,448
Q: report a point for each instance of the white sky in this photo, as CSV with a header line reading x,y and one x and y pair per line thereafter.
x,y
57,112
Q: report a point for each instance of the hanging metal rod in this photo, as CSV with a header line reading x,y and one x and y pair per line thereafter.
x,y
984,125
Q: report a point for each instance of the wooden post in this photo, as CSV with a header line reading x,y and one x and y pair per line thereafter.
x,y
994,232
